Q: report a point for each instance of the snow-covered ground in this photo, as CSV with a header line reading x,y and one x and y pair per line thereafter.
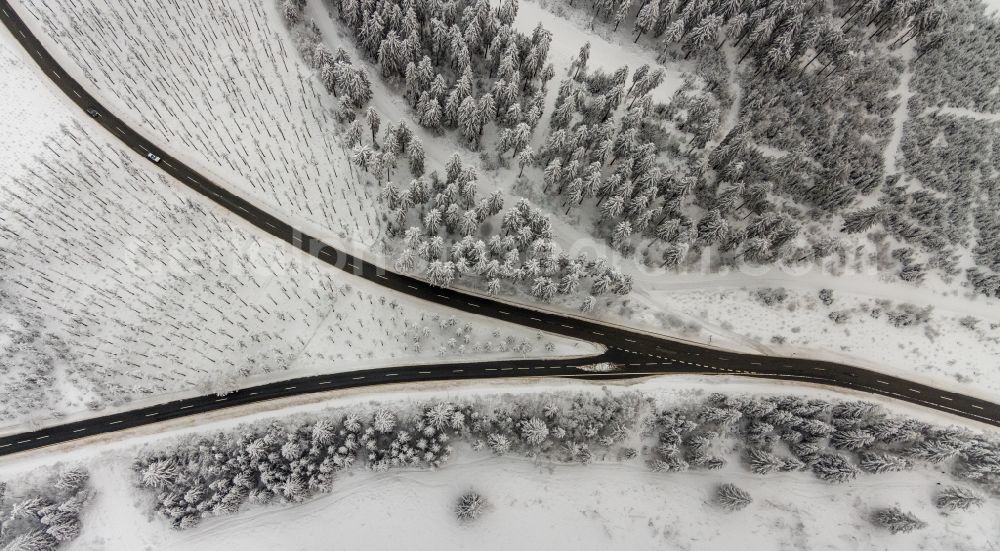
x,y
533,504
134,290
941,352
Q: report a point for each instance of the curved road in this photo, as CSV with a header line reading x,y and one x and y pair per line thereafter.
x,y
636,352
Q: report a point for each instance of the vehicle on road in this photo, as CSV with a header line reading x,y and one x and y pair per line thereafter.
x,y
153,157
94,113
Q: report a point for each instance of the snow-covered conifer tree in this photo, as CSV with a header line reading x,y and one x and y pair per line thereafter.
x,y
897,521
733,497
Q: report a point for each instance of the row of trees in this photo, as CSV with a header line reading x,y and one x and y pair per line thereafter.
x,y
836,441
206,476
45,515
776,36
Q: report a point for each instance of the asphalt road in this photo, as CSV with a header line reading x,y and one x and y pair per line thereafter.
x,y
636,352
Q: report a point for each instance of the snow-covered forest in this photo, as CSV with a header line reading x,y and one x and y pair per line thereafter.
x,y
42,512
837,441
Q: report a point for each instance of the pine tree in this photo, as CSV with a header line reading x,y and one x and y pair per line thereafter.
x,y
834,468
383,420
159,474
762,462
416,157
525,158
954,498
374,121
896,520
534,431
619,238
854,439
863,220
878,463
673,254
733,497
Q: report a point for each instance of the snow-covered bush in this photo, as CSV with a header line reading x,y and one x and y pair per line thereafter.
x,y
470,506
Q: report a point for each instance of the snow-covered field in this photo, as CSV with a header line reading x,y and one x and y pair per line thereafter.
x,y
219,85
536,504
121,287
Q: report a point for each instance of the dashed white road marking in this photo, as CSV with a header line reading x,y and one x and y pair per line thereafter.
x,y
186,407
152,414
114,422
79,430
975,406
357,378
